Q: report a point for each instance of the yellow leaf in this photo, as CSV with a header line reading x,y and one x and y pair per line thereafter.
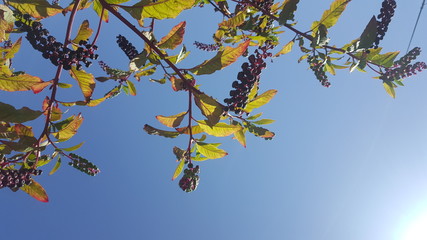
x,y
84,33
286,49
174,37
171,121
22,82
36,191
85,80
260,100
220,129
36,8
178,169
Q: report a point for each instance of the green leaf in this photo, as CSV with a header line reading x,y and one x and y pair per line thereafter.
x,y
67,128
221,60
386,59
64,85
159,9
210,150
178,169
240,135
8,113
264,121
260,100
36,8
147,72
253,117
83,33
289,7
14,49
85,80
286,49
235,21
36,191
171,121
330,16
56,167
132,89
97,7
21,82
73,148
194,130
154,131
209,107
389,88
218,130
369,34
174,37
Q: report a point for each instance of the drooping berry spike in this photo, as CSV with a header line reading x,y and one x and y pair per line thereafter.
x,y
15,179
127,47
190,180
386,13
206,47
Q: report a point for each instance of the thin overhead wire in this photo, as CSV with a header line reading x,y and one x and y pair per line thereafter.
x,y
416,23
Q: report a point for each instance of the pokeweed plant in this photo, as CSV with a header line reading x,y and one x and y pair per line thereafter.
x,y
250,31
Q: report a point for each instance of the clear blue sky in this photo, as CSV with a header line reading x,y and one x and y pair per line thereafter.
x,y
347,162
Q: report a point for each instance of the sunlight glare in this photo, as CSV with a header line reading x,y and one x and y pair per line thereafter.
x,y
416,229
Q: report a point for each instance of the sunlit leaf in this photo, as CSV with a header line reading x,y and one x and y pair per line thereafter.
x,y
82,5
73,148
97,7
174,37
154,131
220,129
210,150
389,88
23,130
221,60
36,8
259,131
330,16
386,59
55,112
178,169
286,49
85,80
56,167
6,22
36,191
14,49
165,8
260,100
209,107
147,72
194,130
21,82
253,117
67,128
9,113
264,121
83,33
132,89
171,121
235,21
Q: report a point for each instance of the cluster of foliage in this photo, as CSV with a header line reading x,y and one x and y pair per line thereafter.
x,y
250,31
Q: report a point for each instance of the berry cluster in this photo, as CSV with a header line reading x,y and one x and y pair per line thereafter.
x,y
248,78
190,180
392,74
387,12
407,58
15,179
127,47
206,47
316,65
83,165
53,50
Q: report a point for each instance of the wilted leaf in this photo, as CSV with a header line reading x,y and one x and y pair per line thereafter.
x,y
221,60
171,121
85,80
210,150
178,169
220,129
36,191
209,107
179,153
174,37
8,113
260,100
154,131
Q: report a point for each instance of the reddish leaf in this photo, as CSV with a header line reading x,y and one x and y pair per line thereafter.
x,y
36,191
174,37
